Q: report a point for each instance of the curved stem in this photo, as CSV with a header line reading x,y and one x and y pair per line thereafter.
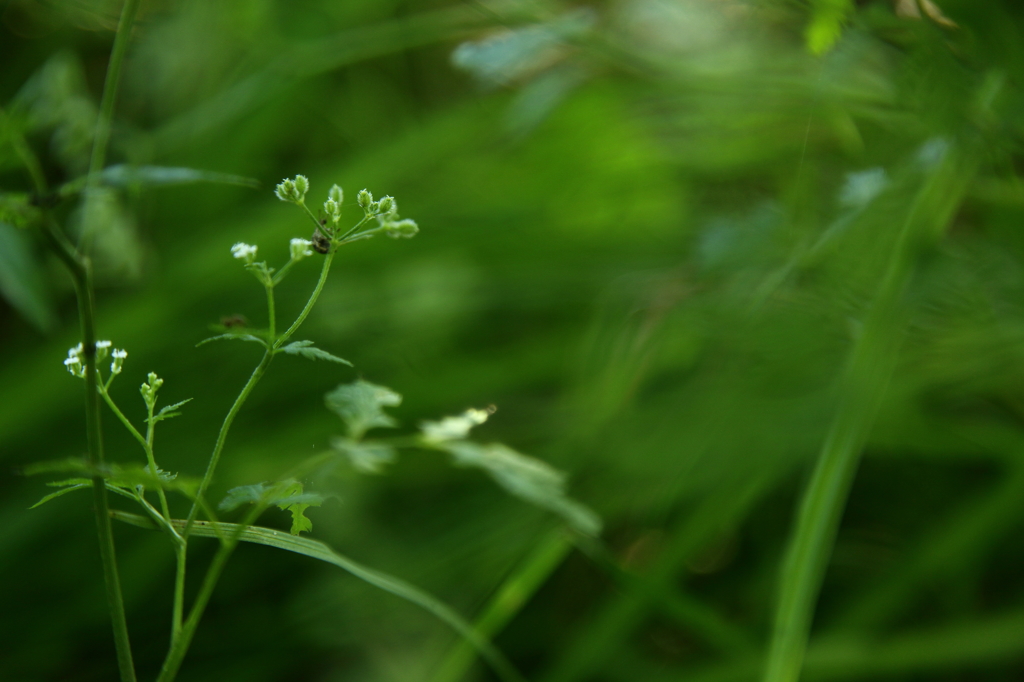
x,y
309,304
254,378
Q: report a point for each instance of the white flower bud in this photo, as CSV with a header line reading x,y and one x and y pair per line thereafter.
x,y
301,186
119,355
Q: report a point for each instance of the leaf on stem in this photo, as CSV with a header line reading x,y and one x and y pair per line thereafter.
x,y
68,486
168,412
527,478
307,350
242,337
287,495
359,405
369,457
118,475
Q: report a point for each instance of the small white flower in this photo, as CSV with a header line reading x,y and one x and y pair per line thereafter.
x,y
245,251
119,355
300,248
103,344
73,363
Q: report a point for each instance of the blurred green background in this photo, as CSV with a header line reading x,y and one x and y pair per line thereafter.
x,y
650,230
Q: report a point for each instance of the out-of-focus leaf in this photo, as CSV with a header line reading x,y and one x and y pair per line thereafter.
x,y
123,175
359,405
109,226
527,478
22,281
367,457
307,350
827,20
513,54
123,475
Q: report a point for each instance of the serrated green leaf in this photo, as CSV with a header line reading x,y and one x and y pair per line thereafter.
x,y
527,478
287,495
168,412
123,475
307,350
359,405
369,457
241,337
22,281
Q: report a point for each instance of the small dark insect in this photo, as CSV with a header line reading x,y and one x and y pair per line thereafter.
x,y
321,244
232,321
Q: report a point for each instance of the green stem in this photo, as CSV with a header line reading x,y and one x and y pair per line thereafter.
x,y
151,458
270,312
254,378
180,643
309,304
110,86
147,442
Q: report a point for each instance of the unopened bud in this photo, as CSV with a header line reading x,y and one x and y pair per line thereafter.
x,y
364,199
336,194
385,205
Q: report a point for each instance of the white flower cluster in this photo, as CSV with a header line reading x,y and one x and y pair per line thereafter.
x,y
76,366
244,251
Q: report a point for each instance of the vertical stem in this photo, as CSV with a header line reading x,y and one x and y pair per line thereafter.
x,y
81,274
270,313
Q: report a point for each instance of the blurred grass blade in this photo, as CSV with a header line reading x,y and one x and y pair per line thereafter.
x,y
508,601
827,20
869,369
318,550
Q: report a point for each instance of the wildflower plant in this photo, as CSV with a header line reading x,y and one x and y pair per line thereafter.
x,y
361,405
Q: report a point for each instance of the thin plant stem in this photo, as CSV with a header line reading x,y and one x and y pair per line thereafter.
x,y
309,304
180,643
270,311
81,275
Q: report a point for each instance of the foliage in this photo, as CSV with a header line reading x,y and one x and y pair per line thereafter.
x,y
654,234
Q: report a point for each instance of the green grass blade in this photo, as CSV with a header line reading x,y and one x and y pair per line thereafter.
x,y
318,550
508,601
